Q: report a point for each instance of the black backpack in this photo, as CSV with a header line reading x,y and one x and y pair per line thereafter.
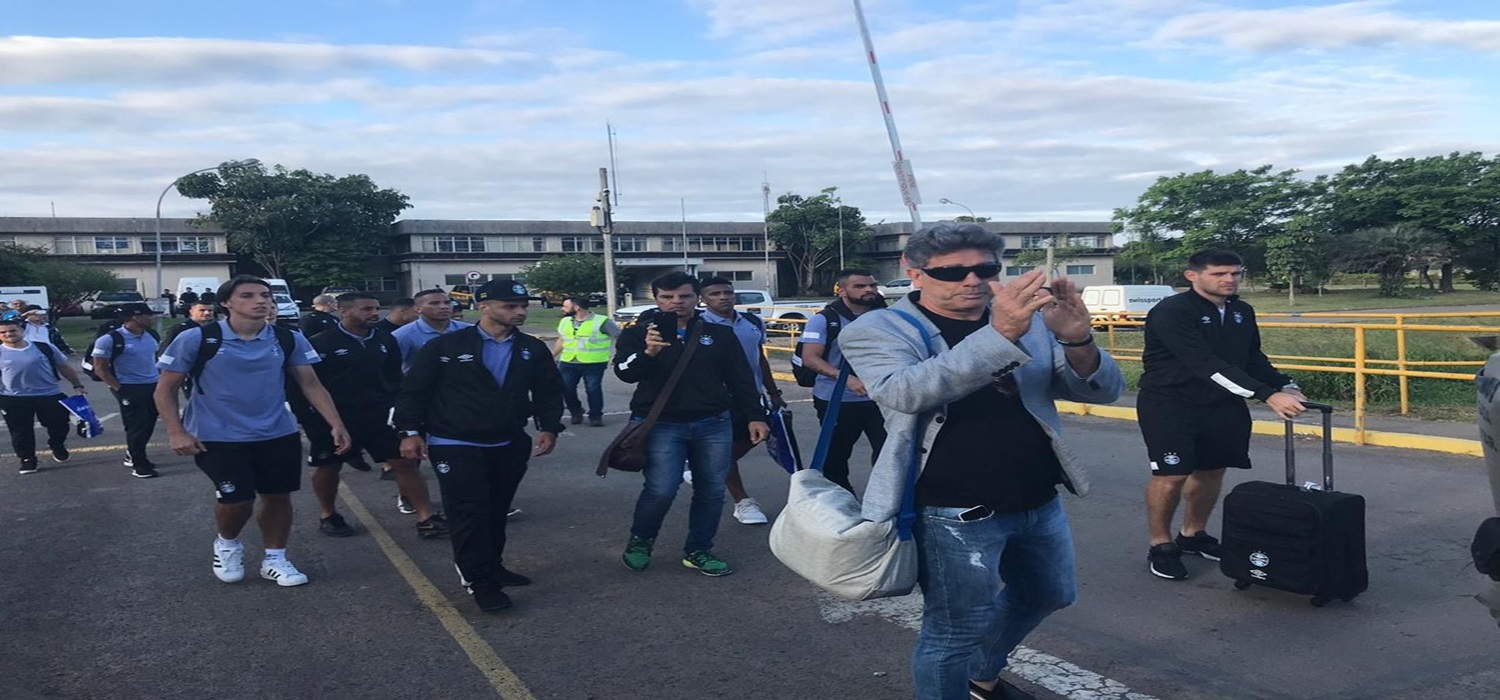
x,y
805,376
50,353
117,346
213,338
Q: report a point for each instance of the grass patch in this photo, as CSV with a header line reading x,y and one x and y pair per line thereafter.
x,y
1357,299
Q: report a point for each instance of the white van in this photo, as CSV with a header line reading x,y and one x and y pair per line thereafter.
x,y
286,306
1124,302
196,284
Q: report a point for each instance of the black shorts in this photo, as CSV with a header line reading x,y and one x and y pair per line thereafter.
x,y
1183,438
240,470
369,430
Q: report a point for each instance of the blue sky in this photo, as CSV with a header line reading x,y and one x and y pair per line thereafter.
x,y
1021,110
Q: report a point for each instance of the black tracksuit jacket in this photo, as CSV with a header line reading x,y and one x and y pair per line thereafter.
x,y
448,395
359,376
1195,357
717,379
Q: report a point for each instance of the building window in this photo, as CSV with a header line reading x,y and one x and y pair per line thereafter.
x,y
1035,241
1086,241
453,244
72,246
518,244
1018,270
713,244
111,245
1080,269
630,244
381,284
583,244
178,244
731,275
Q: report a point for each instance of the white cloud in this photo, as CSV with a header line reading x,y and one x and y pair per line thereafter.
x,y
1327,27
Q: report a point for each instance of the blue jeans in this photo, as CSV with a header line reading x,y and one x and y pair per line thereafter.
x,y
593,386
705,445
986,584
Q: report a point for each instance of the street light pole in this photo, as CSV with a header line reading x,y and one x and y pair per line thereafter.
x,y
249,162
602,218
945,200
841,232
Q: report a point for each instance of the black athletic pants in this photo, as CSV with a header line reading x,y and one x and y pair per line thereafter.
x,y
138,413
478,484
856,418
22,413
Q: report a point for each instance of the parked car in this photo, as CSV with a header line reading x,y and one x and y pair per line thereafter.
x,y
895,289
99,305
1124,302
777,314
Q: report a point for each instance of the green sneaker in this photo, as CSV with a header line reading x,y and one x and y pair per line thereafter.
x,y
637,554
707,563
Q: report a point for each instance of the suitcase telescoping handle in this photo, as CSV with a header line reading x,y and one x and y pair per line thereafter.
x,y
1291,452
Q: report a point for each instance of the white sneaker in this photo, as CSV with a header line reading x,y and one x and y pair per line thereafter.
x,y
466,583
748,512
282,572
403,507
229,563
687,476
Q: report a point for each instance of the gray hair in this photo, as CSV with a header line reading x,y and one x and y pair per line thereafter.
x,y
324,300
941,239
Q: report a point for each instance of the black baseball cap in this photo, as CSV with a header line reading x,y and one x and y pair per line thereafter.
x,y
134,308
501,290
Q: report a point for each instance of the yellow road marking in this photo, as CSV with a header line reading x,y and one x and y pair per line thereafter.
x,y
507,685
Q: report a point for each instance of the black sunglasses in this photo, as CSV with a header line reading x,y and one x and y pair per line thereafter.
x,y
959,274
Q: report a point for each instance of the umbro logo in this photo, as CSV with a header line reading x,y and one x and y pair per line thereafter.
x,y
341,351
210,341
466,357
1207,320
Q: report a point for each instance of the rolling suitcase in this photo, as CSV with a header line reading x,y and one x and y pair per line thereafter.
x,y
1306,539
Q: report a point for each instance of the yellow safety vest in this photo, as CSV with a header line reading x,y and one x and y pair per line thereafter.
x,y
587,344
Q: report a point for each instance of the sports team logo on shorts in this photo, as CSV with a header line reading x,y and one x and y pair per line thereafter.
x,y
705,340
226,487
1171,459
1259,560
442,467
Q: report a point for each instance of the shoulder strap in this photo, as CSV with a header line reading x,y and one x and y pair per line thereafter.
x,y
287,341
51,355
835,324
908,516
677,371
213,337
117,343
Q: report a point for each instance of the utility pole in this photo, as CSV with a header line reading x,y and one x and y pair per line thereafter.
x,y
601,218
765,202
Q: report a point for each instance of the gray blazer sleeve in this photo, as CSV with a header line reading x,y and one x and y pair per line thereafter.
x,y
886,352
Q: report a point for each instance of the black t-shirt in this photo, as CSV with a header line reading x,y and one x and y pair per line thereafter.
x,y
989,451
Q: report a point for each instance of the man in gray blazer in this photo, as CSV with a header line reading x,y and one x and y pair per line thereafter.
x,y
973,408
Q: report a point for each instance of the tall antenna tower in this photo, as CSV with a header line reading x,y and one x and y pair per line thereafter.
x,y
906,178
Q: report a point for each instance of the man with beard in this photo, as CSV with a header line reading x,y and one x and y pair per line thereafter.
x,y
858,292
434,318
361,368
480,454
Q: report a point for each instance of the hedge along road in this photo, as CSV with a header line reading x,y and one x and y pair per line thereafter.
x,y
111,597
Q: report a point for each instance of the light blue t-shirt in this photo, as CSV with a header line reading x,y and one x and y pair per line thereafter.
x,y
26,371
816,331
496,359
751,336
136,363
412,336
244,394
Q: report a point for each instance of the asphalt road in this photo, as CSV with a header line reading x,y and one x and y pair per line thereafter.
x,y
107,593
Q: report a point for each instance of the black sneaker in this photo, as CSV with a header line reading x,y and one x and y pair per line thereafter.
x,y
82,429
1201,544
146,472
596,422
489,597
28,466
334,526
359,464
1166,561
1002,691
403,507
576,419
129,461
60,454
388,475
510,579
435,526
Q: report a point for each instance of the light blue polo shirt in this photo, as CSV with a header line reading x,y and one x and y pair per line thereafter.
x,y
244,397
412,336
816,331
496,359
751,337
26,372
137,363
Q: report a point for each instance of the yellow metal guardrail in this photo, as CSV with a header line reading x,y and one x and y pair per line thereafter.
x,y
1360,364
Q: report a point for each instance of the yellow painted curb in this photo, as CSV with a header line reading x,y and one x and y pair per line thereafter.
x,y
1431,443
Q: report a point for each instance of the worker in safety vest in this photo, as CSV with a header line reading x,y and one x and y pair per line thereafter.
x,y
583,352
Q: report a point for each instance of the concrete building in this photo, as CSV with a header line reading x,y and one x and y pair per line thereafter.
x,y
423,253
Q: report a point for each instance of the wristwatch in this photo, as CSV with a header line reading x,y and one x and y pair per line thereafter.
x,y
410,433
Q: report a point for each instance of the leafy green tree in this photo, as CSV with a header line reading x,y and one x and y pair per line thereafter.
x,y
1239,211
807,229
1389,251
297,224
1298,257
1037,257
569,275
67,281
16,262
